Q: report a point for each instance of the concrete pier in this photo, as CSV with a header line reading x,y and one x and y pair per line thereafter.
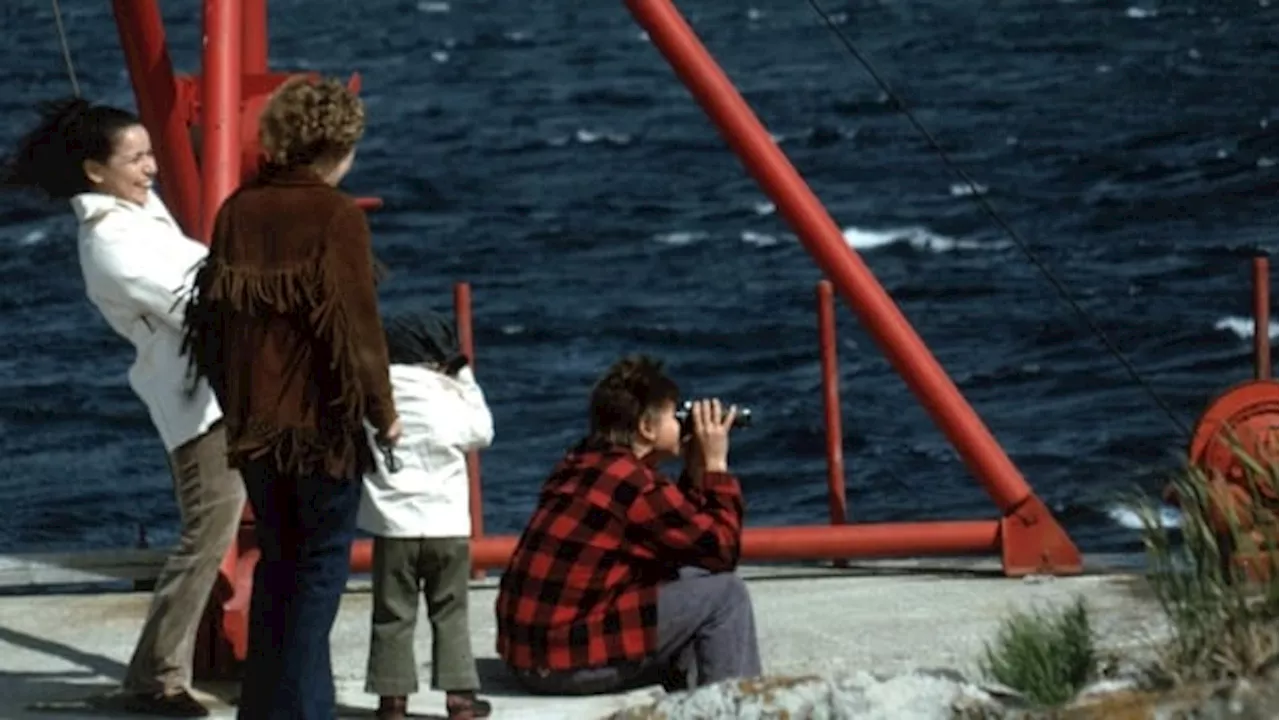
x,y
881,617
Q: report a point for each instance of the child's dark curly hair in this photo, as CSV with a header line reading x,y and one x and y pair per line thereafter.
x,y
308,121
632,387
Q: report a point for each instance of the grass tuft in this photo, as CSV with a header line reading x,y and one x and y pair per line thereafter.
x,y
1046,656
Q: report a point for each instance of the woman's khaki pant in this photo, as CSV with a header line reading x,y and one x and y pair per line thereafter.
x,y
210,500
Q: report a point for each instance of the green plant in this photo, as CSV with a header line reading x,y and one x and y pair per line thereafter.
x,y
1222,613
1046,656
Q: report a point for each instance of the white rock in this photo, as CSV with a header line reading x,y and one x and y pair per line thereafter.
x,y
855,696
1109,685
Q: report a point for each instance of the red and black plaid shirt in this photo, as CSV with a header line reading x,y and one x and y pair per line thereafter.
x,y
581,589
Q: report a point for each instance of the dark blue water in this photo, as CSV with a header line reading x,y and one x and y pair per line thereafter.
x,y
545,153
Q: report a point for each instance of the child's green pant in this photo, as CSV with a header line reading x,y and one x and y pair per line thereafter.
x,y
438,568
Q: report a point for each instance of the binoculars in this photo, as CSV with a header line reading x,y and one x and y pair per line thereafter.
x,y
684,414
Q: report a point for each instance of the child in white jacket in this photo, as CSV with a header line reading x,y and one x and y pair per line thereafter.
x,y
419,516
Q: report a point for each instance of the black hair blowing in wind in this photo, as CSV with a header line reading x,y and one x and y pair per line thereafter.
x,y
50,157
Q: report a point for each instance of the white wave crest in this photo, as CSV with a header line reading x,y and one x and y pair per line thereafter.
x,y
917,237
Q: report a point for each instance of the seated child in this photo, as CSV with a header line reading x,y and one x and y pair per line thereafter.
x,y
418,514
624,577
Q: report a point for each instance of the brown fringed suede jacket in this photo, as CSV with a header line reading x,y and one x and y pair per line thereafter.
x,y
284,324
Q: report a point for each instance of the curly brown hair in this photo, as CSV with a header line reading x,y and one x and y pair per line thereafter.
x,y
308,121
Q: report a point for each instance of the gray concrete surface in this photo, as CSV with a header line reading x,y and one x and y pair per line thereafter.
x,y
883,618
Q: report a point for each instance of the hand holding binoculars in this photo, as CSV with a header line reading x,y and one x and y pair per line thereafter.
x,y
684,414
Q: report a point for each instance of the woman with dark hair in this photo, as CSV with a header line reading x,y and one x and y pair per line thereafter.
x,y
137,265
285,325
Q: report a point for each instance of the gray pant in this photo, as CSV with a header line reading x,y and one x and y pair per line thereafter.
x,y
439,569
706,633
210,501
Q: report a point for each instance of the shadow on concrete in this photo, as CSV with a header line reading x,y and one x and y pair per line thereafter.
x,y
510,698
92,690
496,679
1119,565
354,713
37,694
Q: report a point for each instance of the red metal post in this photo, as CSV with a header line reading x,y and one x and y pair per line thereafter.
x,y
151,72
220,116
1040,543
870,540
220,96
253,49
831,405
466,340
815,542
1261,319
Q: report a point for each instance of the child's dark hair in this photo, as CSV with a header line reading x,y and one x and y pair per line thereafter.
x,y
51,157
632,387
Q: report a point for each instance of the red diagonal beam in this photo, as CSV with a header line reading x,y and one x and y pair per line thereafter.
x,y
821,237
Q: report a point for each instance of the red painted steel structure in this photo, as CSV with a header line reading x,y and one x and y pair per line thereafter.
x,y
831,407
1261,319
1033,540
1243,419
221,106
467,343
255,40
220,115
1247,413
831,403
161,107
804,542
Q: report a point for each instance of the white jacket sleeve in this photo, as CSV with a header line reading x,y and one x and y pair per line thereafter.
x,y
472,427
439,411
152,277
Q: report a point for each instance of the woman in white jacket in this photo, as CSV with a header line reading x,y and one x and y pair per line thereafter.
x,y
137,266
418,512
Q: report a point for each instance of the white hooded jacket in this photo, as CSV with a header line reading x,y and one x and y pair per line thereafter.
x,y
138,266
442,418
